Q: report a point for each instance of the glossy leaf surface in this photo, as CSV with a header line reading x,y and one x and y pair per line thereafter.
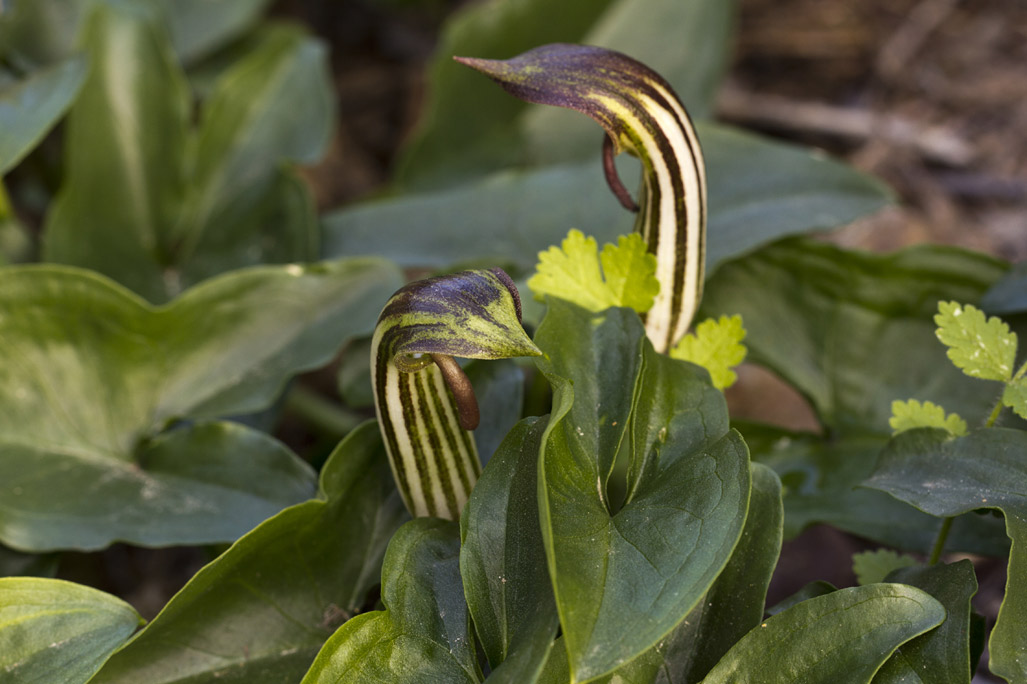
x,y
859,627
624,580
54,630
510,216
159,207
947,477
942,656
821,481
261,611
503,560
95,373
29,108
424,635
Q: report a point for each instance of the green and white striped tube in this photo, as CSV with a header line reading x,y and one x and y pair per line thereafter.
x,y
641,114
425,404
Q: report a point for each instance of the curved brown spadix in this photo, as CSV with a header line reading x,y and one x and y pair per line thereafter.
x,y
642,115
424,401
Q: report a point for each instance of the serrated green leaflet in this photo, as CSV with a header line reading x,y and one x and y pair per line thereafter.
x,y
424,634
980,347
29,108
94,375
907,415
860,627
54,630
624,579
260,612
716,346
871,567
1015,396
572,272
158,206
947,477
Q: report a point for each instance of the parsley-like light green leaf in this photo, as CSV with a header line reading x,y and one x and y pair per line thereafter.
x,y
873,566
572,272
1015,396
716,346
980,347
906,415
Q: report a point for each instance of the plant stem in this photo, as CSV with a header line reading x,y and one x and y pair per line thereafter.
x,y
994,414
324,415
939,542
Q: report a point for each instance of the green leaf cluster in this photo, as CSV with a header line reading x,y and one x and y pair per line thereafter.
x,y
626,531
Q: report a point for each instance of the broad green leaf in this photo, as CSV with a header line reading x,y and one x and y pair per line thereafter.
x,y
821,479
16,564
1015,396
852,331
260,612
980,347
507,217
942,656
124,167
96,373
29,108
250,125
503,561
424,634
735,604
907,415
946,477
159,207
572,272
41,32
623,580
54,630
843,637
717,346
1009,294
199,26
871,567
470,127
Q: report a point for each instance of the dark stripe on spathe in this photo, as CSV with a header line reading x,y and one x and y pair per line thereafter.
x,y
407,389
381,373
442,457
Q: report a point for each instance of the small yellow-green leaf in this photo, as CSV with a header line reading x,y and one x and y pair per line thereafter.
x,y
716,346
980,347
1015,396
872,567
907,415
572,272
630,272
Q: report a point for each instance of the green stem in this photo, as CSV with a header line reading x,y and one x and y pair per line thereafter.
x,y
994,414
939,542
324,415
